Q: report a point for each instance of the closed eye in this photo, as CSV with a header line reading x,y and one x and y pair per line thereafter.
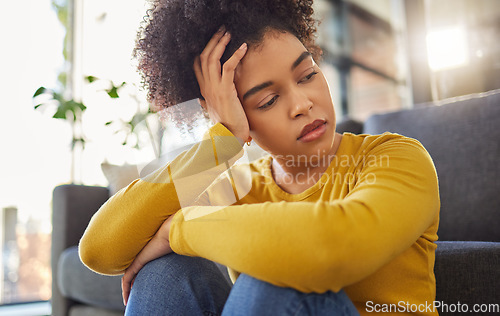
x,y
308,77
269,103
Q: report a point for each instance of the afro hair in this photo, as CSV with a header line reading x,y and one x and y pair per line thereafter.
x,y
174,32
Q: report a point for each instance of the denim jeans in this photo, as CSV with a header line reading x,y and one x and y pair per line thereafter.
x,y
182,285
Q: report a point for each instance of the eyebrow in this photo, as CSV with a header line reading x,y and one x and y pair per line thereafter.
x,y
302,56
266,84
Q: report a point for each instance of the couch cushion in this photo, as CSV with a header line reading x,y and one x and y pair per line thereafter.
x,y
119,176
467,272
463,139
80,284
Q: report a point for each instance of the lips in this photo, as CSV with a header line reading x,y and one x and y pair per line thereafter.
x,y
310,127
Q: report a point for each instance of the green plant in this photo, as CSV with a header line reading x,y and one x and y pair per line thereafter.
x,y
132,127
68,110
72,111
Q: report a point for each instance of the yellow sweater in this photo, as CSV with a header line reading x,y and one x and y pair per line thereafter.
x,y
368,225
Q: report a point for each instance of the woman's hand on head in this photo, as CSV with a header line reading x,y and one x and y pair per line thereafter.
x,y
157,247
217,85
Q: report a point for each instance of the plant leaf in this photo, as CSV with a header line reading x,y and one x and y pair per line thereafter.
x,y
108,123
58,97
39,91
81,106
113,92
37,106
60,113
73,106
91,79
137,118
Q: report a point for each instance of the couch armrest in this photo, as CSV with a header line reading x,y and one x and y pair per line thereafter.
x,y
72,208
77,282
467,272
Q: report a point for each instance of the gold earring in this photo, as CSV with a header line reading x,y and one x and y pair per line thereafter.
x,y
248,143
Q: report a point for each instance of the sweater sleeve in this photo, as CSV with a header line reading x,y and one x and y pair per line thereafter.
x,y
130,218
323,245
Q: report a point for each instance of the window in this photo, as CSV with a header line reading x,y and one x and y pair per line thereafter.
x,y
364,42
35,148
463,46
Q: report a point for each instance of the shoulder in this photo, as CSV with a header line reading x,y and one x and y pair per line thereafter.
x,y
386,142
384,152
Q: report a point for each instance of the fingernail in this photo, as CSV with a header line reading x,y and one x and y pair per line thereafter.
x,y
243,46
227,34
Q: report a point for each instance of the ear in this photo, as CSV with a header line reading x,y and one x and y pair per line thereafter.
x,y
203,103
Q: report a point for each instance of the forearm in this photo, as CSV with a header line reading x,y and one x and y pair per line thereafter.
x,y
309,247
125,224
130,219
321,245
157,247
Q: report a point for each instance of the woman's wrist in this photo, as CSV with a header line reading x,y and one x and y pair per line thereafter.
x,y
237,134
164,232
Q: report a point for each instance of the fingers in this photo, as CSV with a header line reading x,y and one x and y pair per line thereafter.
x,y
214,40
207,65
125,291
231,64
127,281
198,73
207,55
213,65
214,80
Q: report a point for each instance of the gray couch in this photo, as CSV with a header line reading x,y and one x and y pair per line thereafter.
x,y
463,138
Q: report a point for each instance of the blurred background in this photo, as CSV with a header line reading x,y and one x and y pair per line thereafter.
x,y
71,100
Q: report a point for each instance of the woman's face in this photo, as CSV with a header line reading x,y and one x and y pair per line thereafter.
x,y
282,90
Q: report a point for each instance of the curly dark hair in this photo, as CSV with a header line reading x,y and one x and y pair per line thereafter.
x,y
174,32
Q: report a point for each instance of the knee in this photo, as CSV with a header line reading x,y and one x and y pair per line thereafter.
x,y
154,274
173,267
256,297
251,296
177,285
168,263
179,271
246,282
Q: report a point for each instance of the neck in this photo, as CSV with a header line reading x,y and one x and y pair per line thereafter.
x,y
305,172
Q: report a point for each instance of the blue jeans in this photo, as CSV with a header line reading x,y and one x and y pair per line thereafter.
x,y
182,285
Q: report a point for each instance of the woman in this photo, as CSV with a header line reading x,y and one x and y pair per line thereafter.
x,y
324,224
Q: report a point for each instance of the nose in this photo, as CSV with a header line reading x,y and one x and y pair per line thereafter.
x,y
300,104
